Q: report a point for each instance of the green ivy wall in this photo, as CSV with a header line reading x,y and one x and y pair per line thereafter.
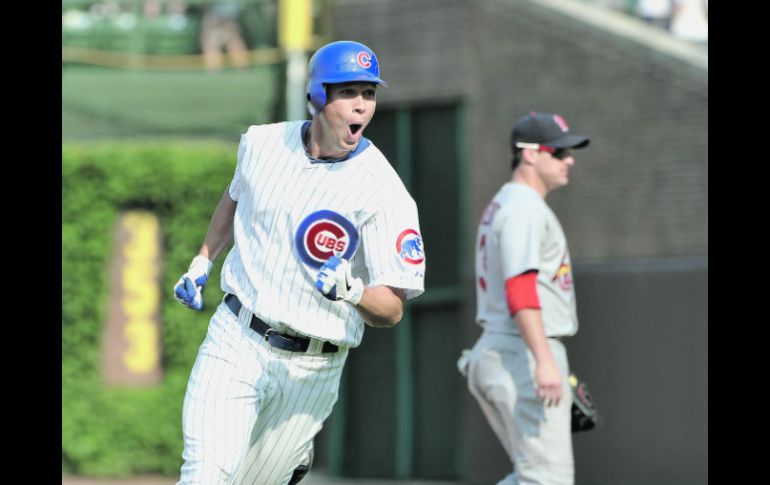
x,y
111,431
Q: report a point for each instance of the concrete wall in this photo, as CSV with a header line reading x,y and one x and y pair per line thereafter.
x,y
635,212
639,190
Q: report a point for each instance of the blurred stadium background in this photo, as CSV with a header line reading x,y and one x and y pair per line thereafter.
x,y
146,122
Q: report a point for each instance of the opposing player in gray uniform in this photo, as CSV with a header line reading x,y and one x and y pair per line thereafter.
x,y
518,368
325,240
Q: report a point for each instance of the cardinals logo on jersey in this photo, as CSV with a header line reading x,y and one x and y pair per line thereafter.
x,y
489,213
324,234
564,274
409,247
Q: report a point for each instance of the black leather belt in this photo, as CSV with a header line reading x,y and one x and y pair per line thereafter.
x,y
282,341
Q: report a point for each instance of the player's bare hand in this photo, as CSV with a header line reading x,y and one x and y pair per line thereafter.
x,y
336,282
189,289
549,383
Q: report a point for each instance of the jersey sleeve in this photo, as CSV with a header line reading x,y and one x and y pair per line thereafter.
x,y
235,184
394,250
520,234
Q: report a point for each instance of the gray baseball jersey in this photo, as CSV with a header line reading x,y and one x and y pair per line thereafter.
x,y
519,232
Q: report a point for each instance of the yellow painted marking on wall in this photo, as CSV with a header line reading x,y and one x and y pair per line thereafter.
x,y
141,355
141,295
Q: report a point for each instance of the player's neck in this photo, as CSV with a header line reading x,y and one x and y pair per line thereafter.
x,y
526,177
319,147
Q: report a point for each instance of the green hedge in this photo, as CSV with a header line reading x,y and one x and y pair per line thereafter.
x,y
110,431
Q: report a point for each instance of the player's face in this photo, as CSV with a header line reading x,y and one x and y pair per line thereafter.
x,y
554,167
348,111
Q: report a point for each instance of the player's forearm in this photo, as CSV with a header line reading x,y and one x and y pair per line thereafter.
x,y
220,232
530,324
381,306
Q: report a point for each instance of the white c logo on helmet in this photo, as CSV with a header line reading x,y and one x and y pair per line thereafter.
x,y
364,59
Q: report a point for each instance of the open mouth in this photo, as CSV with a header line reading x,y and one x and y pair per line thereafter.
x,y
354,128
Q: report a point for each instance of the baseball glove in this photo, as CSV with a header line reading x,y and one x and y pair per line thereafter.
x,y
584,414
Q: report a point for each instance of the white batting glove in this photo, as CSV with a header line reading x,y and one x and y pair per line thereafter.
x,y
189,289
336,282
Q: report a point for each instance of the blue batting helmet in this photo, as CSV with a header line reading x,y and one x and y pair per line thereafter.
x,y
340,62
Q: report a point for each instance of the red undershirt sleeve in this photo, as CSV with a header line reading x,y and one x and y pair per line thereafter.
x,y
521,292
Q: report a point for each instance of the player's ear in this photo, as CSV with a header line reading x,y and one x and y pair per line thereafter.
x,y
529,155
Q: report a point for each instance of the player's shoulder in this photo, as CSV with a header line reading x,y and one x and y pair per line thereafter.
x,y
516,194
265,138
518,202
380,170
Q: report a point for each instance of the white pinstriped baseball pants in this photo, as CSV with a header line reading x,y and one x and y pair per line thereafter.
x,y
251,410
537,439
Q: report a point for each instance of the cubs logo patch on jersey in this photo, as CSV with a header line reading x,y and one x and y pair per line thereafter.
x,y
409,247
324,234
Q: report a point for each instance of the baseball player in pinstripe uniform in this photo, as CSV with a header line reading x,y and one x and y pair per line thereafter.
x,y
518,368
326,239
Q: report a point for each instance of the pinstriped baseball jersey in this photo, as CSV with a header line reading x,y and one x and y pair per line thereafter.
x,y
295,212
519,232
